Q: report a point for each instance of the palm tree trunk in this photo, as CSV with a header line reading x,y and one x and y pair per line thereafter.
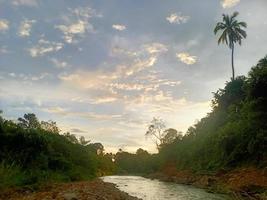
x,y
233,68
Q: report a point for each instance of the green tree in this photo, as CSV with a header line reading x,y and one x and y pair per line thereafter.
x,y
170,135
29,121
50,126
1,119
83,141
232,32
71,137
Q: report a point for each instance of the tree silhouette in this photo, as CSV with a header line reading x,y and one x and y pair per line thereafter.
x,y
156,130
232,33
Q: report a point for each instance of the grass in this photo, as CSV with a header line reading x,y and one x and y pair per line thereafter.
x,y
11,175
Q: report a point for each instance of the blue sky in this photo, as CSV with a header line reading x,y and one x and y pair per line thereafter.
x,y
103,69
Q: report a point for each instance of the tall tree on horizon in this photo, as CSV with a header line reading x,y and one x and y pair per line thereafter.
x,y
232,32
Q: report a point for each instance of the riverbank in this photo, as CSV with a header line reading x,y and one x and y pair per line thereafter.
x,y
91,190
242,183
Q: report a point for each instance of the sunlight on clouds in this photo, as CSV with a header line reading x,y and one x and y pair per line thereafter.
x,y
177,18
25,28
119,27
186,58
128,86
77,23
117,51
100,79
85,115
137,66
4,25
87,79
148,49
104,99
155,48
43,47
229,3
70,31
29,77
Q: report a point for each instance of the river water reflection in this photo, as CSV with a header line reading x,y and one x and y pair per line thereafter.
x,y
148,189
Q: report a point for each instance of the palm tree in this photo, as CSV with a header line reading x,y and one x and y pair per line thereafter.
x,y
232,33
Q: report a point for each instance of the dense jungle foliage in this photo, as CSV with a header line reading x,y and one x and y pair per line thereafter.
x,y
33,152
233,134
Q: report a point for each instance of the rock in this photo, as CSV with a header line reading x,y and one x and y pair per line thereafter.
x,y
70,196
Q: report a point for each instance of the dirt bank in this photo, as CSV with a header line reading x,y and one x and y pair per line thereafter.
x,y
242,183
93,190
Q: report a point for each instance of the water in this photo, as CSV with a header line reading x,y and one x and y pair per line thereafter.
x,y
147,189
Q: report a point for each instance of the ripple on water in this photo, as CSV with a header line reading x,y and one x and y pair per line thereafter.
x,y
148,189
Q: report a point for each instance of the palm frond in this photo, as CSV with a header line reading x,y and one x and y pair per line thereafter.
x,y
234,15
223,38
219,26
243,24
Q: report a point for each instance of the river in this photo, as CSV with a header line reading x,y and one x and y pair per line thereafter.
x,y
148,189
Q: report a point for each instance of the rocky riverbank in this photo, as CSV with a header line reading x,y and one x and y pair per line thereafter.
x,y
243,183
92,190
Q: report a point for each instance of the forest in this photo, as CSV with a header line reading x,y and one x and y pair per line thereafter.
x,y
233,134
33,152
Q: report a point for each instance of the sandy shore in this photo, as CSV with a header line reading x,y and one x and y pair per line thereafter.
x,y
92,190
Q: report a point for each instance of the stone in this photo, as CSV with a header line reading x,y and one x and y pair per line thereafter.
x,y
70,196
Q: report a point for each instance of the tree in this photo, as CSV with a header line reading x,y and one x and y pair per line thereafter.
x,y
83,141
156,130
232,33
29,121
71,137
50,126
141,152
170,135
98,148
1,119
257,82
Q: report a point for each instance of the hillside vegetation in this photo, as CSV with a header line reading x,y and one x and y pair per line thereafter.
x,y
33,152
233,134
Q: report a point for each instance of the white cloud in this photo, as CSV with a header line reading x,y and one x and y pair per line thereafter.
x,y
40,77
59,64
119,27
177,18
229,3
155,48
25,2
77,28
43,47
117,51
128,86
25,28
86,115
4,25
186,58
85,12
137,66
29,77
77,24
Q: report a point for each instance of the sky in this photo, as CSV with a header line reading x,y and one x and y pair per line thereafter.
x,y
103,69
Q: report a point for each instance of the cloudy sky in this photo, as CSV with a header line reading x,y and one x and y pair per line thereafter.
x,y
104,68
